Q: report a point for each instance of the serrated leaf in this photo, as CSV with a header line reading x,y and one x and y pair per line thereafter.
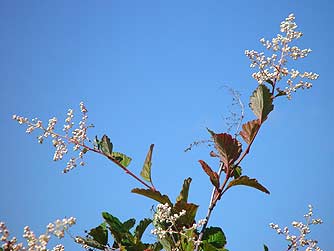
x,y
115,226
261,102
249,130
121,158
146,170
155,195
214,177
129,224
246,181
215,237
237,171
265,247
100,234
106,145
140,229
229,148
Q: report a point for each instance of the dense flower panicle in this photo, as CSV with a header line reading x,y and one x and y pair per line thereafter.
x,y
273,68
76,136
301,239
165,223
34,243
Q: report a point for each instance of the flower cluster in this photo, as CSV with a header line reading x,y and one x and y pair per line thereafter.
x,y
34,243
273,68
75,136
300,240
165,223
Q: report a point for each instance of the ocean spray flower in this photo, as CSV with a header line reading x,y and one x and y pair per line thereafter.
x,y
76,136
273,69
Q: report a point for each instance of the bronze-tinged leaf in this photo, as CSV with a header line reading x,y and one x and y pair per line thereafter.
x,y
246,181
261,102
155,195
146,170
249,130
189,217
229,148
185,191
214,177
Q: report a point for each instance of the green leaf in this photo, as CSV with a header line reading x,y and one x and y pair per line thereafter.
x,y
167,243
185,191
215,237
186,240
129,224
115,226
214,177
155,195
237,171
265,247
229,148
140,229
100,234
249,130
261,102
106,145
121,158
146,171
246,181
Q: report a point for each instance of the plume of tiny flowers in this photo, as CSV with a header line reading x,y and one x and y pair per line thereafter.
x,y
76,136
273,68
34,243
165,224
300,240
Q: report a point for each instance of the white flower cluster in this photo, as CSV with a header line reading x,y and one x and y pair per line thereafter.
x,y
300,240
34,243
165,223
78,135
273,68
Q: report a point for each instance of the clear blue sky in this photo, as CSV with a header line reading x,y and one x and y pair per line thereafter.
x,y
152,72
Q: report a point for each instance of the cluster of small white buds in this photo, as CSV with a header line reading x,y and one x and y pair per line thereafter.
x,y
165,223
34,243
273,68
75,136
301,239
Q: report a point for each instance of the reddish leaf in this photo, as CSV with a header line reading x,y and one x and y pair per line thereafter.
x,y
155,195
246,181
249,130
229,148
214,178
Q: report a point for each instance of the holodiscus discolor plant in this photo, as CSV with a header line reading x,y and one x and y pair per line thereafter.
x,y
176,225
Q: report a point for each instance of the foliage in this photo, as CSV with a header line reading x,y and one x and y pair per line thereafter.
x,y
174,223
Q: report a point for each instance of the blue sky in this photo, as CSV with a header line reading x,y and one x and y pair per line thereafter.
x,y
153,72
